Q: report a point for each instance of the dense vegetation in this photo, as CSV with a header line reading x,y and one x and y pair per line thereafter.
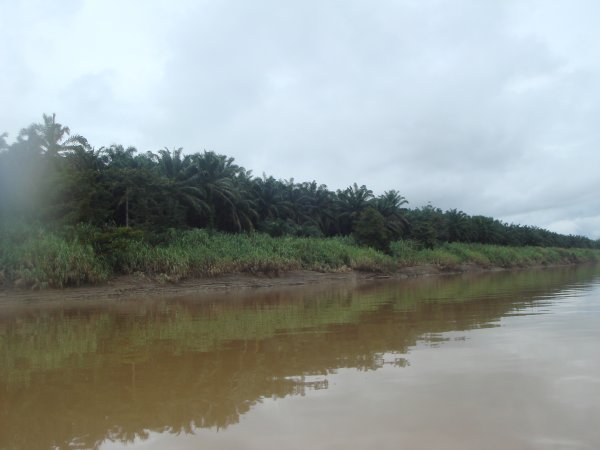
x,y
115,209
37,257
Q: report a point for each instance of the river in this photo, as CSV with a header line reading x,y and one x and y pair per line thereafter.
x,y
507,360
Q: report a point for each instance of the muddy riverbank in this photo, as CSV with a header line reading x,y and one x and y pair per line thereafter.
x,y
122,287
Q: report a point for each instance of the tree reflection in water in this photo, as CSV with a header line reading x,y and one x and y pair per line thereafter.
x,y
75,377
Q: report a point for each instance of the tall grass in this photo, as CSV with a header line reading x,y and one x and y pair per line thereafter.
x,y
202,253
485,255
36,257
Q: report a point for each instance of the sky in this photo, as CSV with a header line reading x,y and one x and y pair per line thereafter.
x,y
487,106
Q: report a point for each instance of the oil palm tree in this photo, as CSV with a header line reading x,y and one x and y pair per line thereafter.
x,y
128,182
319,205
457,223
181,181
390,206
244,213
216,176
82,192
351,202
270,200
52,138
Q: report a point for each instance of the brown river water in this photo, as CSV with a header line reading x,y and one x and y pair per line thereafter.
x,y
507,360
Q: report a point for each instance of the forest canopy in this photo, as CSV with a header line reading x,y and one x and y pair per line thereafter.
x,y
52,176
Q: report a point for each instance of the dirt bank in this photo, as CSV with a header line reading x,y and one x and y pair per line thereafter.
x,y
141,286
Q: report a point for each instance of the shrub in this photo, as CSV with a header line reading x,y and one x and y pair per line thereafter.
x,y
370,229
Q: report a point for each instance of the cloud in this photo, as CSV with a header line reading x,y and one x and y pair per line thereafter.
x,y
489,107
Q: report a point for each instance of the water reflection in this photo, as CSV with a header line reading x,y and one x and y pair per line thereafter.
x,y
75,377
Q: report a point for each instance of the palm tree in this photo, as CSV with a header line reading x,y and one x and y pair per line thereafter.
x,y
485,229
299,200
171,164
390,202
83,194
457,223
244,215
319,206
270,201
352,201
216,175
88,159
119,156
181,181
52,138
390,207
127,179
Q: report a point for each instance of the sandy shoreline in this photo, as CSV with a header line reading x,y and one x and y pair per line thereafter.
x,y
129,286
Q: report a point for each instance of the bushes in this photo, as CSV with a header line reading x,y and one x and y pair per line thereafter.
x,y
407,253
34,257
370,229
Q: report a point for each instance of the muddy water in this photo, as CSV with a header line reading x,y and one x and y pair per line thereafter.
x,y
493,361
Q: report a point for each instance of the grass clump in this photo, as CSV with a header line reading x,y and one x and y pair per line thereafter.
x,y
38,258
204,253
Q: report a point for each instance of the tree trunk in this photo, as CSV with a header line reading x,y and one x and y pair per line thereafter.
x,y
127,207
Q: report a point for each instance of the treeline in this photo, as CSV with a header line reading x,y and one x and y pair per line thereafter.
x,y
51,176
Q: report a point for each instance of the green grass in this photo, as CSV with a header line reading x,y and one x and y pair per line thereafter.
x,y
35,257
201,253
453,255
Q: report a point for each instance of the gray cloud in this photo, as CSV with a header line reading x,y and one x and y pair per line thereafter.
x,y
487,107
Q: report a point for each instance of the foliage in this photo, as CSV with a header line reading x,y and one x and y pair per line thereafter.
x,y
425,234
34,257
37,257
451,255
49,175
370,229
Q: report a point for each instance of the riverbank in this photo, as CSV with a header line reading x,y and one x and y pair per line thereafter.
x,y
44,259
144,287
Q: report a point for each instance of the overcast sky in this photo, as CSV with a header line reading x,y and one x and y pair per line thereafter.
x,y
490,107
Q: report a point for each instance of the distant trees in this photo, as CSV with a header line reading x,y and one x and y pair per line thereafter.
x,y
49,174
